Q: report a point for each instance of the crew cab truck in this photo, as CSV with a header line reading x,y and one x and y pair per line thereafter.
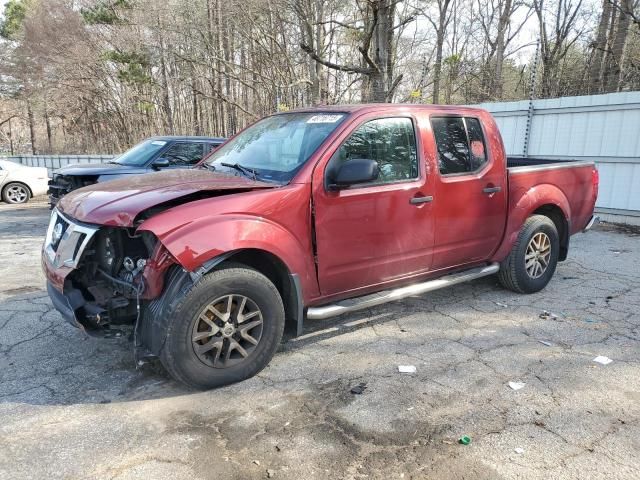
x,y
307,214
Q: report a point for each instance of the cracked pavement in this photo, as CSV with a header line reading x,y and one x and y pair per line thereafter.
x,y
76,407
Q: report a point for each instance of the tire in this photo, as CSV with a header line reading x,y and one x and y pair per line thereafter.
x,y
515,274
188,330
16,193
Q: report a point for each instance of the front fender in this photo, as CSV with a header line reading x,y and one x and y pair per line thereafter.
x,y
194,243
522,204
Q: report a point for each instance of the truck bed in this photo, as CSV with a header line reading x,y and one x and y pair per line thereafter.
x,y
571,180
514,162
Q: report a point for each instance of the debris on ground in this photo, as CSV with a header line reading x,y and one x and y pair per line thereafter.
x,y
545,315
464,440
544,342
358,389
447,442
407,368
590,320
257,462
602,360
271,473
519,450
503,305
516,385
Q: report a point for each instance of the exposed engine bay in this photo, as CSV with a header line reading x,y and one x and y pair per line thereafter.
x,y
109,276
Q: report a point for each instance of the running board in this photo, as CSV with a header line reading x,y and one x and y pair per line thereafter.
x,y
358,303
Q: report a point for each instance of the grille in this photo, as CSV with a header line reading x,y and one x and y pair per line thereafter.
x,y
66,240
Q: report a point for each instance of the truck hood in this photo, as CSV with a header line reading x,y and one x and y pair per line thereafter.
x,y
97,169
119,202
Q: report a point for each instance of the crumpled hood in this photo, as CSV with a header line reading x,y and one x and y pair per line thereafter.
x,y
97,169
118,202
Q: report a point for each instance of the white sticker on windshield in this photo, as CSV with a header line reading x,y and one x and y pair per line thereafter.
x,y
324,118
158,142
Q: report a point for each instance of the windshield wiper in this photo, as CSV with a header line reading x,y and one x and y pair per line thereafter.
x,y
240,168
209,166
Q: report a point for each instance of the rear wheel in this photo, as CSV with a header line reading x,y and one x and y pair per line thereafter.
x,y
533,258
225,329
16,193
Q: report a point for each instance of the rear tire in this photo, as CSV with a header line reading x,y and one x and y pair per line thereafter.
x,y
533,258
16,193
225,329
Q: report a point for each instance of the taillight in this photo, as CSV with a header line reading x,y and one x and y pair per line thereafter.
x,y
595,178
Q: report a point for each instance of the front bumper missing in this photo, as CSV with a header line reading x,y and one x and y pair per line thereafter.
x,y
592,223
81,314
63,304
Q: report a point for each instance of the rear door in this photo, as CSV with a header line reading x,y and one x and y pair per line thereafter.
x,y
373,233
470,201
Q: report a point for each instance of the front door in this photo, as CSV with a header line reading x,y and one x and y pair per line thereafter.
x,y
470,193
377,232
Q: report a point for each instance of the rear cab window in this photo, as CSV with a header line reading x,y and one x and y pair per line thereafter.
x,y
460,144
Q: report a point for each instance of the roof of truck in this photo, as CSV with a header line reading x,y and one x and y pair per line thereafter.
x,y
385,106
189,138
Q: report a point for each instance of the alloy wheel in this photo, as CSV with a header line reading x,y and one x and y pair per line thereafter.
x,y
536,259
16,194
227,331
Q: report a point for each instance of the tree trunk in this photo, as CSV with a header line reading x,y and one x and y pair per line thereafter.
x,y
11,139
47,121
599,47
32,128
614,75
503,24
437,67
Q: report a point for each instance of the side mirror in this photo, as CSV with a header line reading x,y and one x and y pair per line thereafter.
x,y
160,163
352,172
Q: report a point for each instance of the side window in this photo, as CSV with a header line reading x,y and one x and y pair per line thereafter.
x,y
460,143
476,142
209,147
181,154
389,141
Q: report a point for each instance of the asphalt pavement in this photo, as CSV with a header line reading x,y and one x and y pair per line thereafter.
x,y
77,407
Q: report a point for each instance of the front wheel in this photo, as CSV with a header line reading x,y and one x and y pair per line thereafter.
x,y
533,258
225,329
16,193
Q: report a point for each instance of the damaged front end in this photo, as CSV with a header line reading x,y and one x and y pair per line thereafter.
x,y
100,278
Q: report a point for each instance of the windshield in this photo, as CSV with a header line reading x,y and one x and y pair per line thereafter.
x,y
275,148
140,154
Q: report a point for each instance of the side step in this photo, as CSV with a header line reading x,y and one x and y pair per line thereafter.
x,y
353,304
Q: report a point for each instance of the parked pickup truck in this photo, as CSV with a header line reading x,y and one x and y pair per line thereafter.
x,y
150,155
307,214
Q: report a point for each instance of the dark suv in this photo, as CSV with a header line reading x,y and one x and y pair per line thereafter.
x,y
150,155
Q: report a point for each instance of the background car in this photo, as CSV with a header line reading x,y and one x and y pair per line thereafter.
x,y
19,183
152,154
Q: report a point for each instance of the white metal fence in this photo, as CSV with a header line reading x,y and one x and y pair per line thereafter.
x,y
52,162
602,128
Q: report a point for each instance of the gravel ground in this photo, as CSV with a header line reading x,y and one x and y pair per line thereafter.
x,y
76,407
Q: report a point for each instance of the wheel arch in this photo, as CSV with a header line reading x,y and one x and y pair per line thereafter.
x,y
557,216
19,182
543,199
276,270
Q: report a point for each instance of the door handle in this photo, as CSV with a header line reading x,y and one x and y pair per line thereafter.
x,y
419,200
490,190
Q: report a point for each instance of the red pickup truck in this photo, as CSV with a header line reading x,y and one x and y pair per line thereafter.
x,y
307,214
